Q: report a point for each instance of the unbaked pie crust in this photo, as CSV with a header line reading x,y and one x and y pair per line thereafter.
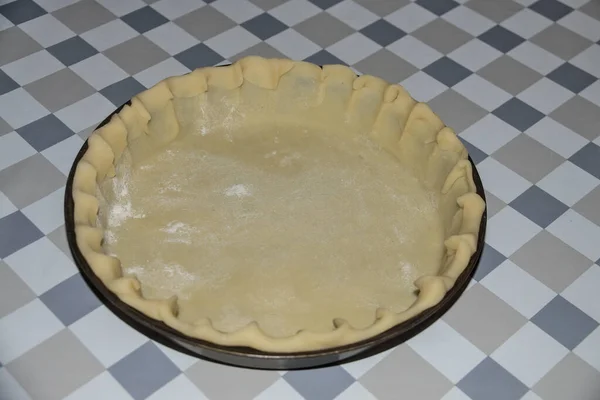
x,y
277,205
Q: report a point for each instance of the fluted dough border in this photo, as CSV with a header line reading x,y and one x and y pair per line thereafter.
x,y
390,116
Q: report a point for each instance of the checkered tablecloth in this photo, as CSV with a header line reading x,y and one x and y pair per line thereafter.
x,y
517,79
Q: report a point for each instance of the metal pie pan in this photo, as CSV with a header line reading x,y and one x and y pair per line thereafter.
x,y
249,357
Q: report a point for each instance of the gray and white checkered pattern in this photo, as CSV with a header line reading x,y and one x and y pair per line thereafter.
x,y
517,79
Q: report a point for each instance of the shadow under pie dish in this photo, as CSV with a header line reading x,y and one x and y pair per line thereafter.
x,y
276,205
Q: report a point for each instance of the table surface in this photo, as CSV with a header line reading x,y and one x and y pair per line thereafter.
x,y
517,79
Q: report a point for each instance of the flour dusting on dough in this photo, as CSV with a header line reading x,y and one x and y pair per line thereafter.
x,y
238,191
227,116
163,278
122,208
178,232
174,227
109,237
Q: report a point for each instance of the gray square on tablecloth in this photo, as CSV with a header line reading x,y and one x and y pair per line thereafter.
x,y
456,111
59,238
442,35
72,50
483,318
497,11
84,15
322,383
447,71
144,19
592,9
120,92
70,300
588,206
45,132
580,115
382,32
528,158
21,11
551,9
571,378
474,152
489,381
571,77
15,292
4,127
551,261
144,371
59,90
324,57
6,83
386,65
204,23
494,204
265,4
325,4
588,158
564,322
136,54
561,41
383,8
404,371
518,114
509,74
323,29
490,259
264,26
501,38
209,377
60,365
16,232
539,206
199,56
44,178
16,44
438,7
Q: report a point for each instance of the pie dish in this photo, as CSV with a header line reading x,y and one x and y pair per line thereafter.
x,y
276,205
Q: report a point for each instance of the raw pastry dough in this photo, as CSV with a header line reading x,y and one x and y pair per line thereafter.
x,y
277,205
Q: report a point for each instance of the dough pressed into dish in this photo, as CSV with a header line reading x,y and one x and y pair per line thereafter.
x,y
276,204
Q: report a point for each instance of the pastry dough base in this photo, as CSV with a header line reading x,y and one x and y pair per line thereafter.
x,y
334,106
281,224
